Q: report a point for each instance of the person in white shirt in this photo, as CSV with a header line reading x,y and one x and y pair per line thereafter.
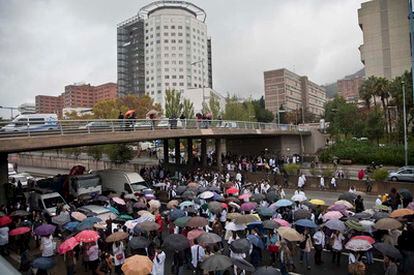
x,y
46,246
322,183
301,183
352,189
378,201
119,256
158,268
197,255
319,244
333,183
337,238
223,217
238,176
282,193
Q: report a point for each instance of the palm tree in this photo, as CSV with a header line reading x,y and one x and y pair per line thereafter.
x,y
367,91
382,86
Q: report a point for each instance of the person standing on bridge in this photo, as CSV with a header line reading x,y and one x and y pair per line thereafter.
x,y
121,120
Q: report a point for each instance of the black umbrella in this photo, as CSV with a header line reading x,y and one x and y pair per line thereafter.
x,y
406,194
302,214
180,189
138,242
216,263
257,197
176,213
243,265
388,250
348,196
362,216
380,215
270,224
272,196
176,242
266,270
201,189
188,195
214,189
240,246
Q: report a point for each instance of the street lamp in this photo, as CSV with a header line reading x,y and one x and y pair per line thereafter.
x,y
405,125
202,72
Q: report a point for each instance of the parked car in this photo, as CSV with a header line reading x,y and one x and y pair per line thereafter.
x,y
97,211
405,173
32,123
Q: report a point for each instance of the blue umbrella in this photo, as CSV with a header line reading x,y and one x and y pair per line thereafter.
x,y
71,226
256,241
113,210
266,211
176,213
283,203
306,223
217,197
258,225
84,225
44,263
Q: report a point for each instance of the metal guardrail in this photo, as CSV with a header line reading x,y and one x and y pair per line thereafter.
x,y
66,127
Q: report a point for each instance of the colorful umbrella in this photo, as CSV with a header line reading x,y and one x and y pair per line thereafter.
x,y
337,207
255,240
401,213
216,263
87,236
369,239
289,234
206,195
358,245
19,231
61,219
346,203
283,203
368,225
387,224
113,210
116,236
137,265
182,221
385,208
5,220
232,191
186,204
282,222
266,211
71,226
155,204
197,222
317,202
270,224
148,226
244,219
215,207
176,213
194,234
355,225
44,229
67,245
78,216
306,223
118,200
245,196
233,215
336,225
248,206
332,215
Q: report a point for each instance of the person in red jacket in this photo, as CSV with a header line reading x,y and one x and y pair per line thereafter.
x,y
361,174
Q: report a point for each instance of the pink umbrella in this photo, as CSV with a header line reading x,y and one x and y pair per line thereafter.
x,y
67,245
245,196
332,215
87,236
282,222
78,216
365,238
248,206
20,231
118,200
337,207
194,234
232,191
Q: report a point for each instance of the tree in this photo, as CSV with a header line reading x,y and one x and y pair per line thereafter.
x,y
367,91
188,108
236,110
108,109
141,104
119,153
214,105
261,113
75,116
95,152
344,118
173,105
375,125
73,151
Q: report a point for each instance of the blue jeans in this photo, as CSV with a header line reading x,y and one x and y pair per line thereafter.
x,y
369,256
305,255
283,269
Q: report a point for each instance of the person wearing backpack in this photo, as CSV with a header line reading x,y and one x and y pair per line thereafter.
x,y
306,246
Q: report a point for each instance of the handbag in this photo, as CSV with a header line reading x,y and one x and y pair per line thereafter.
x,y
272,248
119,256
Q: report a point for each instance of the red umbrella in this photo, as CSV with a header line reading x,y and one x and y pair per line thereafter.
x,y
232,190
87,236
365,238
129,113
19,231
67,245
5,220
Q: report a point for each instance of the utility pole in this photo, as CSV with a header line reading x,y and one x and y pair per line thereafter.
x,y
405,125
411,22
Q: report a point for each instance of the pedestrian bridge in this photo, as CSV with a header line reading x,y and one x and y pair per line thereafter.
x,y
29,136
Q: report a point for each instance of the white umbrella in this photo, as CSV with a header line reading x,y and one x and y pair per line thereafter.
x,y
358,245
299,198
154,204
206,195
367,224
231,226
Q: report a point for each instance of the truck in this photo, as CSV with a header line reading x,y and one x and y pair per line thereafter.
x,y
118,181
46,201
87,184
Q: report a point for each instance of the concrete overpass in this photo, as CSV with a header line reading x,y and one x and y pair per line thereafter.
x,y
235,136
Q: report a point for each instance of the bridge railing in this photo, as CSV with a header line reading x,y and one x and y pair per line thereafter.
x,y
66,127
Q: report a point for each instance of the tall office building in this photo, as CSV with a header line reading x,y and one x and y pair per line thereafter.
x,y
386,48
293,92
165,46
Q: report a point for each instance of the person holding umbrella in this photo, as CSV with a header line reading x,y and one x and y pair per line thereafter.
x,y
197,256
159,262
119,256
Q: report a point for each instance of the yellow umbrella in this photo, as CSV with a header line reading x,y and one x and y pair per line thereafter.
x,y
137,265
289,234
317,202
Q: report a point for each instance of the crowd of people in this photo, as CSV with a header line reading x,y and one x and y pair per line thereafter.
x,y
207,222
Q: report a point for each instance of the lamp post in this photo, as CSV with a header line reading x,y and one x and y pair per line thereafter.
x,y
202,72
405,125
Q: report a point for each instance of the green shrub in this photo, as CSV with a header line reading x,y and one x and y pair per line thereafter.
x,y
328,172
291,169
380,174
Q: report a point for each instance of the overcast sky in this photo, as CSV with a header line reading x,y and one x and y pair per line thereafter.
x,y
47,44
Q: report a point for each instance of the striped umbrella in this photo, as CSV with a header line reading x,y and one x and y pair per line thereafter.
x,y
355,225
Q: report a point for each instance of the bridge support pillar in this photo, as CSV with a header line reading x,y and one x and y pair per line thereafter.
x,y
203,152
189,151
4,177
166,159
177,151
218,152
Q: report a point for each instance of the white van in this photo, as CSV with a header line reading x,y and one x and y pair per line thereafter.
x,y
46,201
121,181
85,184
10,167
32,123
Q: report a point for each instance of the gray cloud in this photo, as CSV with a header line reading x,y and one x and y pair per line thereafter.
x,y
45,44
